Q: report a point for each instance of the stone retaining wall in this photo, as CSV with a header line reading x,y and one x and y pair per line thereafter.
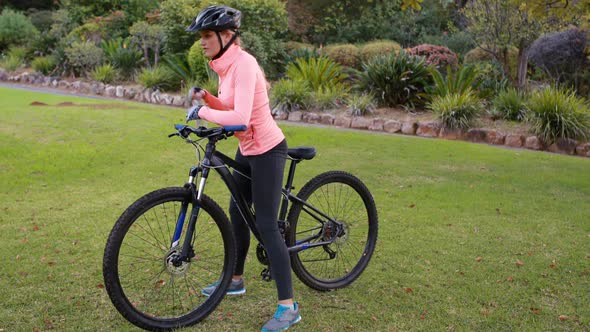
x,y
427,129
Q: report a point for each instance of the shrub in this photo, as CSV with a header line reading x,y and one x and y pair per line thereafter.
x,y
439,56
376,48
289,95
510,104
197,62
492,78
456,110
160,78
150,39
344,54
175,16
44,64
457,81
560,52
15,29
459,42
397,79
330,96
11,63
88,32
556,113
317,72
105,73
84,56
122,55
361,104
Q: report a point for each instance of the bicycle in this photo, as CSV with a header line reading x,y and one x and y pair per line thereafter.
x,y
156,260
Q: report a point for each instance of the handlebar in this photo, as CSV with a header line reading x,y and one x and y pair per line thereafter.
x,y
185,130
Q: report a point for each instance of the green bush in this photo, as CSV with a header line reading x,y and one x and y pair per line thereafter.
x,y
456,110
344,54
84,56
44,64
160,77
556,113
510,104
397,79
361,104
289,95
90,31
376,48
175,16
454,81
122,55
15,29
459,42
11,63
197,62
104,73
317,72
329,96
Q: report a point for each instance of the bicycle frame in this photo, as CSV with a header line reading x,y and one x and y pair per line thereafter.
x,y
222,164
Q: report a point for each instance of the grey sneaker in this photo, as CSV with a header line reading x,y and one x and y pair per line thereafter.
x,y
235,288
283,319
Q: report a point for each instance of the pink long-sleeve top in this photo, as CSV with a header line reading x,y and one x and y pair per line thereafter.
x,y
242,100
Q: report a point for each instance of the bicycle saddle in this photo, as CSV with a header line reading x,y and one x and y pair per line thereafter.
x,y
302,152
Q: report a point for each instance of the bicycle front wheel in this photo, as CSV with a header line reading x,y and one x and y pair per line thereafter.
x,y
146,285
349,222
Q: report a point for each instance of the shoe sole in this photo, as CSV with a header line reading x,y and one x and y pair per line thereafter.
x,y
296,320
238,292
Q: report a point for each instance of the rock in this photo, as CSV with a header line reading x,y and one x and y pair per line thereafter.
x,y
342,121
54,83
84,87
166,99
495,137
130,93
120,91
155,97
409,127
477,135
178,100
110,91
428,129
310,117
583,149
327,119
76,85
360,123
377,125
63,84
295,116
3,75
533,143
392,126
514,141
147,93
451,134
563,146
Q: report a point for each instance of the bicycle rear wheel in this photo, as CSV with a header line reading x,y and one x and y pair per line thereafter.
x,y
140,278
343,198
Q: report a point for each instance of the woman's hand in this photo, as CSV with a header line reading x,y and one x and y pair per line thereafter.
x,y
196,93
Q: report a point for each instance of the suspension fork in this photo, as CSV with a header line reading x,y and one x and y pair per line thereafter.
x,y
187,251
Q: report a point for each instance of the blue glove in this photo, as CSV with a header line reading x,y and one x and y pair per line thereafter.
x,y
193,113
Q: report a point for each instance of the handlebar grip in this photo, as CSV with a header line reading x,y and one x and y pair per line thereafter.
x,y
235,128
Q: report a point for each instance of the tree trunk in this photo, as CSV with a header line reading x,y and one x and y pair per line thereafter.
x,y
521,74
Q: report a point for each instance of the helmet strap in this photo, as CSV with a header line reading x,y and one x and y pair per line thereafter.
x,y
224,48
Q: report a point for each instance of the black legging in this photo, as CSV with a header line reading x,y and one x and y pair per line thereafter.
x,y
266,171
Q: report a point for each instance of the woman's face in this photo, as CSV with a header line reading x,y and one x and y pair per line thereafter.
x,y
210,42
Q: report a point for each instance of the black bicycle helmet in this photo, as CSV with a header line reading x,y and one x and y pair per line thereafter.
x,y
216,18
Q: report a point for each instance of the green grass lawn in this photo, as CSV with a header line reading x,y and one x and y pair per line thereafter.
x,y
471,237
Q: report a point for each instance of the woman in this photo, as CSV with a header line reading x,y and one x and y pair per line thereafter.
x,y
243,100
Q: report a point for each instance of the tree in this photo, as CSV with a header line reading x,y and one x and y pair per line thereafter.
x,y
150,38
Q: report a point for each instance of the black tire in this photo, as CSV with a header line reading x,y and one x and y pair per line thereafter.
x,y
343,197
148,290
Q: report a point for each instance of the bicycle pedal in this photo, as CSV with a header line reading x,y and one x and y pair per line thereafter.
x,y
265,274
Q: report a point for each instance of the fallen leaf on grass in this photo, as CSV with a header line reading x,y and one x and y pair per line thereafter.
x,y
552,266
35,228
536,311
486,312
563,317
408,290
412,206
373,318
101,286
479,259
25,240
510,279
519,263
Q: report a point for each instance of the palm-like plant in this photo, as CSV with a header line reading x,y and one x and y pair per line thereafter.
x,y
319,72
458,81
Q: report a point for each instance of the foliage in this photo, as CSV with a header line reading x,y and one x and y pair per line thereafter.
x,y
397,79
328,96
510,104
289,95
150,38
439,56
197,62
122,55
159,78
457,81
458,41
303,53
317,72
88,32
377,48
175,16
560,54
84,56
344,54
361,104
492,78
41,19
44,64
15,29
62,24
104,73
11,63
556,113
456,110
